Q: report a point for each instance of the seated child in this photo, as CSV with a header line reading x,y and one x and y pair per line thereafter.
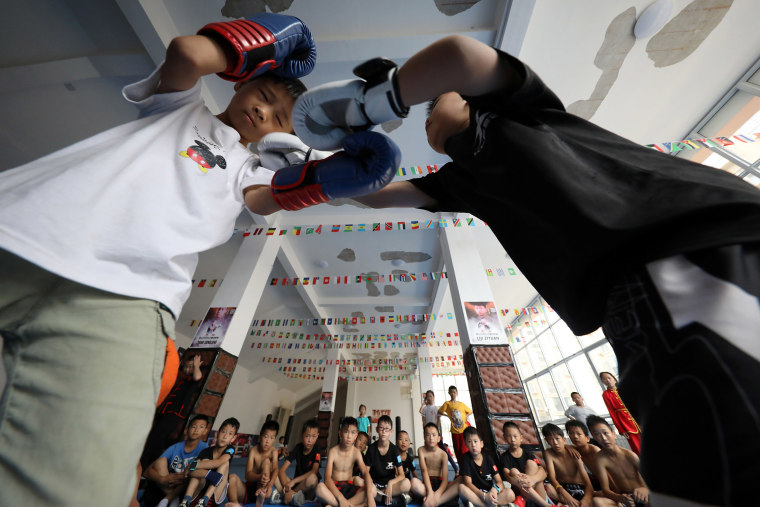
x,y
579,436
481,483
167,473
260,471
213,465
520,469
384,464
407,459
434,488
306,475
338,490
566,472
361,443
621,464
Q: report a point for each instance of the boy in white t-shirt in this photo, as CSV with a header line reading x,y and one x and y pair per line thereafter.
x,y
99,241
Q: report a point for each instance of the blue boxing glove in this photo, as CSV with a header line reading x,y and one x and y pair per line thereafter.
x,y
367,164
265,42
214,477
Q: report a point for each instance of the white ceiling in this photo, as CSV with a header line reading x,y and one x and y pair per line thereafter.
x,y
64,62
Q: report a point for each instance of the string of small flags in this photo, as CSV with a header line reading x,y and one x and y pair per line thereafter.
x,y
398,225
360,362
696,144
381,378
348,337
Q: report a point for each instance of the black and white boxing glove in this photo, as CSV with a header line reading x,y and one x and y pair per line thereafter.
x,y
324,115
278,150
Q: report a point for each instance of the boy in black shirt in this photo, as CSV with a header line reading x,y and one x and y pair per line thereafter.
x,y
481,483
662,252
520,468
407,459
213,465
306,475
384,464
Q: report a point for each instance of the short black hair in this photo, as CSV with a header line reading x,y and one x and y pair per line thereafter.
x,y
200,417
509,424
230,422
362,405
551,429
431,105
349,421
432,425
595,420
363,434
293,86
309,424
608,373
574,392
471,430
430,391
269,426
385,418
574,423
454,388
399,432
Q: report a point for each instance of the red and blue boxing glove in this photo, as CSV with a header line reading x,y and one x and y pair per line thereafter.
x,y
277,43
367,164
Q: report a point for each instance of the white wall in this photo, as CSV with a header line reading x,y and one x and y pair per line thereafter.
x,y
250,402
387,395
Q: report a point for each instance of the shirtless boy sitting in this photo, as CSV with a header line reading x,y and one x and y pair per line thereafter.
x,y
260,471
621,464
566,472
434,488
338,490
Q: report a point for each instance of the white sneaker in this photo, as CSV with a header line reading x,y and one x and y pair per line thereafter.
x,y
298,499
276,498
163,503
408,498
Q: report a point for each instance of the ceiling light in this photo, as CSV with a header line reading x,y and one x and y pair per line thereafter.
x,y
397,262
321,264
653,19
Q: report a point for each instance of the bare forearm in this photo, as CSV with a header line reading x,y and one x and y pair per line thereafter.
x,y
452,64
188,58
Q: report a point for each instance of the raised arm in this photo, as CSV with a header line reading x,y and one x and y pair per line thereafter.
x,y
188,58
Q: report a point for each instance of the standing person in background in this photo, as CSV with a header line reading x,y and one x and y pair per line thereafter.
x,y
365,423
429,410
457,412
579,411
624,421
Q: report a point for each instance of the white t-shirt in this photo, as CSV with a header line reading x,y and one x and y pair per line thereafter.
x,y
430,413
579,413
129,209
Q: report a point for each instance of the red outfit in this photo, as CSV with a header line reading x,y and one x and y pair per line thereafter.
x,y
624,421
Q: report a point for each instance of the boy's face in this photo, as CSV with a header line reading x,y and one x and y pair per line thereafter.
x,y
513,437
361,443
362,410
577,437
556,442
431,437
577,399
384,431
450,115
480,310
474,444
403,442
604,435
453,393
196,430
266,440
309,438
348,435
429,398
225,435
259,107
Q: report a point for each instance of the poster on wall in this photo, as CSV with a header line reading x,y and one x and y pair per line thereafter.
x,y
213,328
325,402
483,323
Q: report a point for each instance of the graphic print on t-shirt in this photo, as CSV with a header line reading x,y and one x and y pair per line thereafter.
x,y
456,418
202,155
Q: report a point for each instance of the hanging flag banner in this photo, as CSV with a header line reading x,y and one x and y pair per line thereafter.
x,y
711,142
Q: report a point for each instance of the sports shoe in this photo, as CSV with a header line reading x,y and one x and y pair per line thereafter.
x,y
407,498
276,497
184,503
298,499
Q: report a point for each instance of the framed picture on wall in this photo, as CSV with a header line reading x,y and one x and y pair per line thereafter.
x,y
325,403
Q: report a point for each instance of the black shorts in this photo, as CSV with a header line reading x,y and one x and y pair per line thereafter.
x,y
347,488
435,482
576,491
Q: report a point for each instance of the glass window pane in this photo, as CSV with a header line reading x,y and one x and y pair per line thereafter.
x,y
604,359
592,338
568,343
565,384
551,397
523,364
588,384
538,320
536,356
739,116
551,315
549,347
541,412
439,387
